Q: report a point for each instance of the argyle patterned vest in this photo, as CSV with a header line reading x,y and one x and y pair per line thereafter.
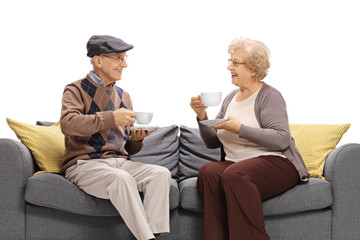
x,y
88,125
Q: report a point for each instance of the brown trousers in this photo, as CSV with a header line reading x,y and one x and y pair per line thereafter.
x,y
232,195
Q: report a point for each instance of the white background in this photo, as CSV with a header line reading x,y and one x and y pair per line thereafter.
x,y
180,51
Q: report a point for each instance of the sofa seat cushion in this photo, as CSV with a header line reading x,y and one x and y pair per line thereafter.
x,y
313,195
55,191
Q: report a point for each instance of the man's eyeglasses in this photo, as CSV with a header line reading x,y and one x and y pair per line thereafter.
x,y
120,60
235,64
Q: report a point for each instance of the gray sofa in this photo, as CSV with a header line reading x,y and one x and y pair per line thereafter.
x,y
47,206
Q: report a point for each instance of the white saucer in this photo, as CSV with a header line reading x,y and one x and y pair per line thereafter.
x,y
152,128
213,122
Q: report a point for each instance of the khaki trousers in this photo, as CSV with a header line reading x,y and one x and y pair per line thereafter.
x,y
121,180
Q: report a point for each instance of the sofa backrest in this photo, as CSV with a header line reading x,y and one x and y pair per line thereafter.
x,y
161,148
193,153
183,153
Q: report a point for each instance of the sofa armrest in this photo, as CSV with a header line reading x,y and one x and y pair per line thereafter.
x,y
16,166
342,170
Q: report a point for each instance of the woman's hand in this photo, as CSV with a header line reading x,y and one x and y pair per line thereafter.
x,y
139,134
198,107
233,125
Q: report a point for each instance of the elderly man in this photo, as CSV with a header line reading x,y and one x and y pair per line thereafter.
x,y
95,119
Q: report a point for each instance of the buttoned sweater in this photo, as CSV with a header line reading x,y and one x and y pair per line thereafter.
x,y
273,133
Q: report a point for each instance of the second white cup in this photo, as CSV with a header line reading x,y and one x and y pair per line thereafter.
x,y
143,117
211,98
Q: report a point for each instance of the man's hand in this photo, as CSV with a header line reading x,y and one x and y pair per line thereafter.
x,y
124,117
139,134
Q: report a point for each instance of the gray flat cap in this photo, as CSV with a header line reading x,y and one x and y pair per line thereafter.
x,y
100,44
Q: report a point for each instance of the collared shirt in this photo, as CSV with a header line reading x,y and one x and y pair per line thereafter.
x,y
97,80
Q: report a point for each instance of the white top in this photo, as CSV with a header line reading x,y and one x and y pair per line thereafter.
x,y
236,148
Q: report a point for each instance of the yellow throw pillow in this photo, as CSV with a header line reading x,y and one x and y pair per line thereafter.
x,y
315,142
45,143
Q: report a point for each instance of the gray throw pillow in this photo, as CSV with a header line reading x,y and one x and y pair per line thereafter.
x,y
194,153
161,148
44,123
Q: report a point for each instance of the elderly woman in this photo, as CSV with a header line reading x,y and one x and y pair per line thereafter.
x,y
259,160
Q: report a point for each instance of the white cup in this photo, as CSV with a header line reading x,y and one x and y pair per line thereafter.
x,y
211,98
143,117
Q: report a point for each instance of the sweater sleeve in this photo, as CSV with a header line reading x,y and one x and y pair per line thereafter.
x,y
274,131
74,122
133,147
208,135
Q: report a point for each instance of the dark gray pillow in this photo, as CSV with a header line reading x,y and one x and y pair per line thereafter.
x,y
161,148
194,153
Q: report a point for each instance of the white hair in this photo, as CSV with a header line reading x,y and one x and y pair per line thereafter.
x,y
256,55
